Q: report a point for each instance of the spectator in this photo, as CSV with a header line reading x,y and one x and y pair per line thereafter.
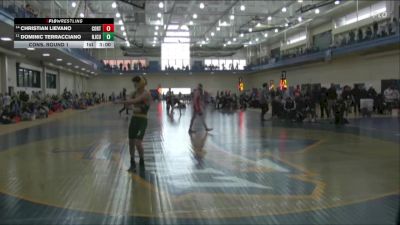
x,y
264,101
356,92
331,99
290,109
391,97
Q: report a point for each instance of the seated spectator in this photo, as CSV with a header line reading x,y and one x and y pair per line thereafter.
x,y
300,109
339,109
30,11
391,97
393,26
6,116
310,108
290,109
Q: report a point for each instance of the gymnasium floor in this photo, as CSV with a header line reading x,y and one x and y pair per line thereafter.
x,y
73,171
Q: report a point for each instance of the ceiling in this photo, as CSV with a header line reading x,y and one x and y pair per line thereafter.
x,y
140,18
223,25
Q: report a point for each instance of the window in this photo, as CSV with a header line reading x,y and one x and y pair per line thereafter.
x,y
297,38
364,13
28,78
127,64
240,64
176,55
51,81
176,91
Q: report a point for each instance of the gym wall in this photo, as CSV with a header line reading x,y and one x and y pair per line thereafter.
x,y
369,69
211,82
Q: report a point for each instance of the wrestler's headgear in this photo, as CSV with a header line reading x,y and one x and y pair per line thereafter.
x,y
140,81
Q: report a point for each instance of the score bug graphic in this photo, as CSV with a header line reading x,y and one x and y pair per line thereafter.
x,y
61,32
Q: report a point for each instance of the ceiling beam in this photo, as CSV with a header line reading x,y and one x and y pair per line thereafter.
x,y
220,17
168,20
130,2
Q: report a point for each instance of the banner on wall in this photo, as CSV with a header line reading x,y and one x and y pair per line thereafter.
x,y
283,83
241,84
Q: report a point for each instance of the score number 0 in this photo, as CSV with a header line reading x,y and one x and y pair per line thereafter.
x,y
108,27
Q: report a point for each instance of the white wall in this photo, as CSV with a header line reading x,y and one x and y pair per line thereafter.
x,y
211,82
66,81
368,69
51,91
8,76
12,72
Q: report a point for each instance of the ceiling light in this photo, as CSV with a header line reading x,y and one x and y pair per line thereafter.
x,y
218,28
250,29
232,17
203,42
122,28
155,38
154,45
269,18
69,63
128,44
316,11
82,15
258,25
286,24
234,39
114,5
266,35
201,45
212,34
337,2
242,7
46,54
76,67
207,39
59,60
73,4
257,39
299,1
161,5
155,33
241,35
300,19
201,5
276,30
118,15
250,42
124,33
159,15
229,42
5,39
83,69
245,46
156,28
284,9
195,16
224,45
30,49
120,22
190,22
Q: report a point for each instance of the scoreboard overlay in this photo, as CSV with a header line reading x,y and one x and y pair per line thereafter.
x,y
63,33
